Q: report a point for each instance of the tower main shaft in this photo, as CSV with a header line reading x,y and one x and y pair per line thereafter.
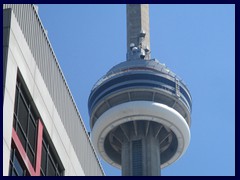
x,y
140,151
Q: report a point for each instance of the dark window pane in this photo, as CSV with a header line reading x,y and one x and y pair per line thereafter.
x,y
31,156
14,123
51,169
50,162
23,114
21,137
13,173
10,169
41,173
44,159
57,173
18,166
10,163
16,100
32,134
34,114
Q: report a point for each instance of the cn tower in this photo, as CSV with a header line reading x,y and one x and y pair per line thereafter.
x,y
140,111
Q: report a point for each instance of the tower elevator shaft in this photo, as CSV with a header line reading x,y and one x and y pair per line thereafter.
x,y
141,155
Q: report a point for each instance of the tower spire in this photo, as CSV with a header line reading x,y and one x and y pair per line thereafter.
x,y
138,36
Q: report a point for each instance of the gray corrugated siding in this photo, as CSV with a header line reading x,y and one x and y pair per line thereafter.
x,y
48,65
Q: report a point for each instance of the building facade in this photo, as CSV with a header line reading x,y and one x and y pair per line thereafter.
x,y
43,133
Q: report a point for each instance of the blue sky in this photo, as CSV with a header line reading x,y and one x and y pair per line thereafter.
x,y
197,42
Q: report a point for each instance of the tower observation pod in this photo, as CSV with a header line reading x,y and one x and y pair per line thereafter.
x,y
140,111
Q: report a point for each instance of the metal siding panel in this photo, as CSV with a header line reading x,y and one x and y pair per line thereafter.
x,y
24,23
16,10
54,74
86,158
64,110
30,32
61,108
37,51
39,60
54,85
56,95
31,38
35,55
66,119
50,68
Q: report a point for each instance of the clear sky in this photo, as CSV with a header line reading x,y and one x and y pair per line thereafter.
x,y
197,42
